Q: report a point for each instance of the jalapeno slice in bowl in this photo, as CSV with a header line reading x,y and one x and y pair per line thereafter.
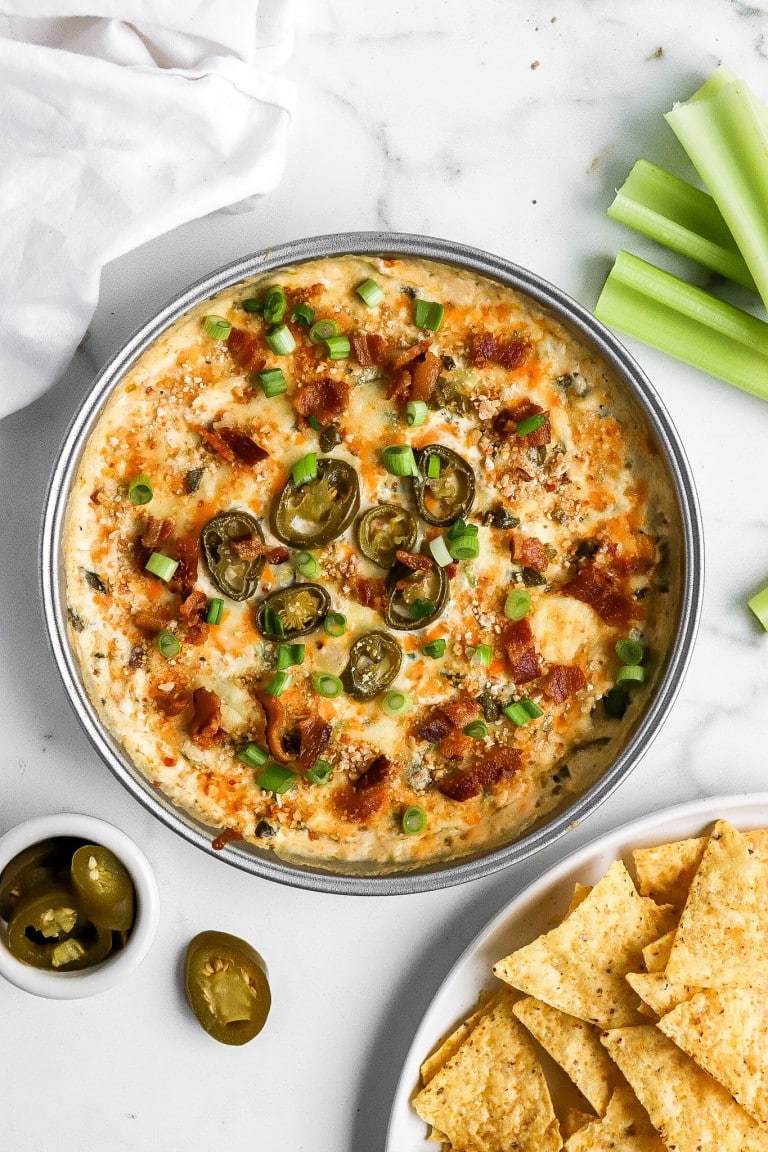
x,y
383,530
226,983
290,612
317,511
41,922
38,866
374,662
415,598
234,576
450,494
104,887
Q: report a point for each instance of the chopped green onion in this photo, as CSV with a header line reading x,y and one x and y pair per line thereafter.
x,y
433,467
422,608
275,304
399,461
278,684
253,756
414,820
338,347
167,644
440,553
616,702
478,730
335,624
252,305
531,424
661,310
140,489
482,655
415,413
633,673
276,778
161,566
307,565
630,651
320,772
273,625
759,605
303,314
434,649
461,528
325,684
517,604
522,711
314,423
428,314
323,330
466,547
281,340
289,656
215,611
272,382
217,327
304,469
396,703
684,218
370,292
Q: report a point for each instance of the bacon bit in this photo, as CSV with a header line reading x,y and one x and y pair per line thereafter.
x,y
174,702
482,349
451,570
378,772
275,717
361,800
562,681
370,591
136,658
187,551
226,836
251,548
436,727
400,359
155,534
246,350
324,399
414,561
517,638
216,443
462,711
244,448
597,587
425,373
456,746
314,734
514,353
368,348
506,422
152,620
529,551
498,764
193,611
399,387
205,725
169,763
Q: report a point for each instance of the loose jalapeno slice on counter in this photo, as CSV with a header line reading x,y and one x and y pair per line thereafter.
x,y
382,530
226,984
448,496
104,887
294,611
314,513
374,662
415,599
235,577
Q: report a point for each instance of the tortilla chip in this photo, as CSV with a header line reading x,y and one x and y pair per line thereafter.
x,y
579,967
491,1096
658,992
573,1121
624,1128
656,955
575,1046
722,938
453,1042
666,871
580,893
690,1110
726,1032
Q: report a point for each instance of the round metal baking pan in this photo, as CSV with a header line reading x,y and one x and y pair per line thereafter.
x,y
687,541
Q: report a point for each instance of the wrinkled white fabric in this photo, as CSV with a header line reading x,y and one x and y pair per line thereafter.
x,y
119,120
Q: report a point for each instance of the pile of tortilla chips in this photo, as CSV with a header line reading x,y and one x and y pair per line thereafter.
x,y
651,996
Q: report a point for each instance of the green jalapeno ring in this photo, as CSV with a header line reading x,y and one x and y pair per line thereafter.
x,y
235,577
383,530
430,586
453,491
374,662
318,511
288,613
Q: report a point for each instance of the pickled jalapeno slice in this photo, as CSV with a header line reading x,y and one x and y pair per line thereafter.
x,y
415,598
294,611
384,529
104,887
226,984
448,496
233,575
317,511
374,662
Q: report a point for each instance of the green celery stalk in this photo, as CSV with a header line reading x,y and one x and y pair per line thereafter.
x,y
686,322
725,133
683,218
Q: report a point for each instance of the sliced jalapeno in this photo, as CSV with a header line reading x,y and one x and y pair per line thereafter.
x,y
235,577
448,496
104,887
316,512
415,598
374,662
290,612
37,866
227,988
382,530
43,920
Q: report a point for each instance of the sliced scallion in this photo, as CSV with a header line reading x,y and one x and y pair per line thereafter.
x,y
289,656
435,649
253,756
275,304
630,651
338,347
414,820
465,547
304,469
140,490
421,608
461,528
428,314
280,340
759,605
482,655
303,314
314,423
217,327
335,624
167,644
399,460
272,382
215,611
162,566
477,729
630,673
370,292
278,684
517,604
522,711
252,304
320,772
415,413
440,553
531,424
327,685
396,703
323,330
307,565
276,778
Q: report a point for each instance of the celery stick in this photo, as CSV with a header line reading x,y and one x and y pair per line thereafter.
x,y
683,218
686,322
726,137
718,80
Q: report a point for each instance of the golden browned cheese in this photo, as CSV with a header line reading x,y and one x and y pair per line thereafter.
x,y
587,490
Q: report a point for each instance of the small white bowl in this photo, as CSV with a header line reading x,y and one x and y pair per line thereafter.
x,y
88,981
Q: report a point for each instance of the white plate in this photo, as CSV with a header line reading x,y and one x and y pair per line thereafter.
x,y
537,909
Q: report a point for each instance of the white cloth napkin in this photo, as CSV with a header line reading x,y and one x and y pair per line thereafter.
x,y
120,119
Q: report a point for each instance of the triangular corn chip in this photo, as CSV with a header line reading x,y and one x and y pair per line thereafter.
x,y
655,956
690,1110
575,1046
657,992
579,966
624,1128
491,1096
453,1042
726,1032
666,871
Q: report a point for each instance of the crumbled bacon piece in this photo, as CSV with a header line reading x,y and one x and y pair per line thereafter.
x,y
436,726
152,620
400,359
499,763
244,448
276,726
246,350
361,800
251,548
136,658
205,725
368,348
399,386
456,746
462,711
424,376
599,588
506,422
174,702
193,610
451,570
324,399
415,561
187,551
562,681
214,441
485,349
314,734
517,638
529,551
482,349
513,353
155,534
370,591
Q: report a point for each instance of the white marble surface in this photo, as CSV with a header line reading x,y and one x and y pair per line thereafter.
x,y
427,118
